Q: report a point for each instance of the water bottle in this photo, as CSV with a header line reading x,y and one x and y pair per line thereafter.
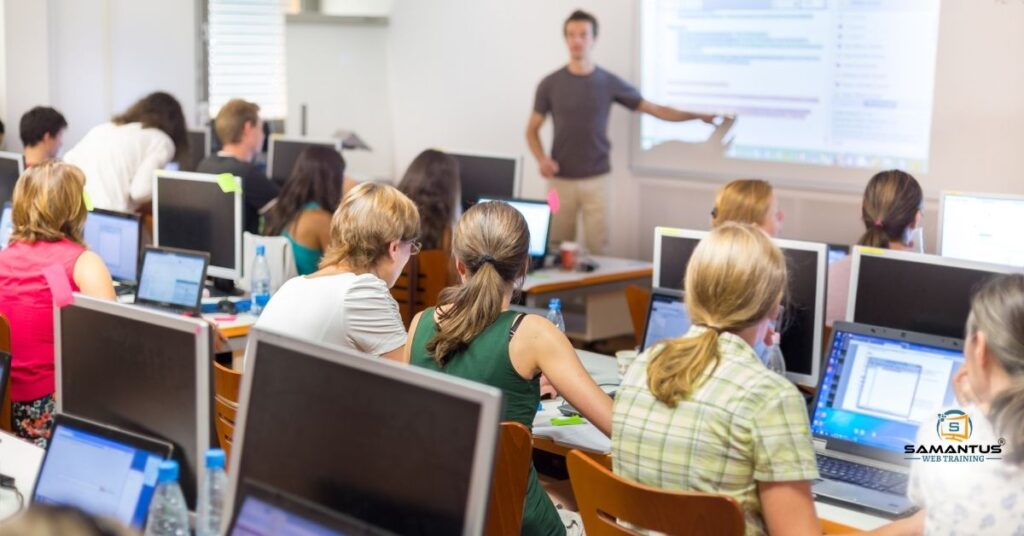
x,y
211,495
259,279
168,513
555,314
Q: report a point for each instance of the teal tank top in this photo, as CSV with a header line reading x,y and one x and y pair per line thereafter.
x,y
306,259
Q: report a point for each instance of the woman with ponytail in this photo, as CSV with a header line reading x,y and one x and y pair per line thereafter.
x,y
891,212
702,413
474,335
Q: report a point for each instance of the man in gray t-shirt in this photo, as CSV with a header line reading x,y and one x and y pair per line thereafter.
x,y
579,98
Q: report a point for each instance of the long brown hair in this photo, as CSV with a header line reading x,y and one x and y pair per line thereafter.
x,y
47,203
892,200
161,111
316,178
493,241
432,182
370,217
735,277
743,201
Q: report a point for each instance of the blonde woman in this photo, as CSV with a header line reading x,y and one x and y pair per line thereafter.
x,y
347,302
474,335
702,413
748,201
48,215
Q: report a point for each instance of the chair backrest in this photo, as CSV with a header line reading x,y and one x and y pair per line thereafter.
x,y
5,405
226,383
279,257
422,280
605,499
508,484
639,301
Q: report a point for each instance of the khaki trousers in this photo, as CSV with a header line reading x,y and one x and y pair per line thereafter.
x,y
589,197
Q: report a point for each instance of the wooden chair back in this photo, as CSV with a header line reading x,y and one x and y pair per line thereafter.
x,y
226,383
508,484
605,499
639,301
422,280
6,423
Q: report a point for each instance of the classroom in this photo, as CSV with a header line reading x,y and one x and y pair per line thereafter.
x,y
493,267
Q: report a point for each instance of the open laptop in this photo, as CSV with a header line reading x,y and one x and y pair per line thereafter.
x,y
666,317
172,279
6,225
879,386
266,511
100,469
115,237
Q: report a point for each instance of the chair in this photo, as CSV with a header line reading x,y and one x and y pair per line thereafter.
x,y
422,280
279,257
226,383
605,498
639,301
508,484
5,346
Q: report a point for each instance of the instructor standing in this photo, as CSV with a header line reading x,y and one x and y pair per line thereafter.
x,y
579,97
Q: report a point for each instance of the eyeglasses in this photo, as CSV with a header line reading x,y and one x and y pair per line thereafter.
x,y
415,246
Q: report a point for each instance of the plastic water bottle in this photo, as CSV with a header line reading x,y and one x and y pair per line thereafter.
x,y
168,513
555,314
259,280
211,495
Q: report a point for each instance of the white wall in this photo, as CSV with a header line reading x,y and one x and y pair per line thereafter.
x,y
27,57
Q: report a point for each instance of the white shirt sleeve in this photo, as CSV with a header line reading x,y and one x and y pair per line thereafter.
x,y
157,153
373,322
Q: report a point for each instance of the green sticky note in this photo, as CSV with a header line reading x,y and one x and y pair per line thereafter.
x,y
566,421
87,200
228,183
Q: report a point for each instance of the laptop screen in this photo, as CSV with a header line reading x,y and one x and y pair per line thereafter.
x,y
876,391
115,238
99,475
538,220
171,278
275,514
666,319
6,226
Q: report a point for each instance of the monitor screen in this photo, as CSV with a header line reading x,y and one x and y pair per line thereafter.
x,y
675,256
298,403
799,329
285,152
667,318
268,512
115,238
133,370
10,170
172,278
6,226
982,228
876,391
538,219
924,295
487,176
198,215
198,149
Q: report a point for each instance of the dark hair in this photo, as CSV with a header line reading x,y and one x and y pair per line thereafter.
x,y
162,111
581,16
892,200
317,177
1,127
432,182
40,121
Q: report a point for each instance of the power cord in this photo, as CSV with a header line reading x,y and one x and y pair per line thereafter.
x,y
7,482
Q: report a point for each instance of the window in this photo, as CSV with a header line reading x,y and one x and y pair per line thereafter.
x,y
247,55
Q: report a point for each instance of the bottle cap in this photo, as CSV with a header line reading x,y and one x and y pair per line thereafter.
x,y
261,249
168,471
215,459
555,303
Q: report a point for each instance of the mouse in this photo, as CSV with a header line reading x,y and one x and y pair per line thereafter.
x,y
226,306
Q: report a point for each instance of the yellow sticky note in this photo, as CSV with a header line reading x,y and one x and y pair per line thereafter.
x,y
87,200
228,183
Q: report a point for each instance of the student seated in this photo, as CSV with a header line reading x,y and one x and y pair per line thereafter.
x,y
347,302
120,157
42,134
302,213
892,216
702,413
48,215
240,130
748,201
432,182
474,335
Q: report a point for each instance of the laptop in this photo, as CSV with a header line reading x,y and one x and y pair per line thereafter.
x,y
666,317
6,225
115,237
102,470
878,387
266,511
172,279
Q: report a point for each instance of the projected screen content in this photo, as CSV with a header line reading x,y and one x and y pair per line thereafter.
x,y
826,82
983,228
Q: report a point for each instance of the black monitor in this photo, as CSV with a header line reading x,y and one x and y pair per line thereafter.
x,y
141,370
198,149
401,448
487,176
914,292
11,167
198,211
672,251
283,152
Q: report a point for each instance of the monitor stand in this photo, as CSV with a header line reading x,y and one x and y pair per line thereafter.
x,y
223,288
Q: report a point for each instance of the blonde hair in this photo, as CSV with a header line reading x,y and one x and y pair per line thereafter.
x,y
232,117
735,278
997,310
47,203
493,241
743,201
369,218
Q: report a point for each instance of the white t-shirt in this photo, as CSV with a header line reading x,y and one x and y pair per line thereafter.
x,y
119,162
346,310
969,498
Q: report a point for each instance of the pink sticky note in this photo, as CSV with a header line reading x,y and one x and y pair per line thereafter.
x,y
553,201
60,288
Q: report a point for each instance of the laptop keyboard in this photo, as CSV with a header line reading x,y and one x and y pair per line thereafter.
x,y
862,475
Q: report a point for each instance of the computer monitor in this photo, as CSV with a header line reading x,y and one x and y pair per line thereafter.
x,y
266,511
6,225
139,369
667,317
347,432
490,176
913,291
672,251
982,227
11,167
115,237
538,219
284,151
198,149
193,211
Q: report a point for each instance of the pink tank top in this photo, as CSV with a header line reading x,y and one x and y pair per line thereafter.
x,y
26,301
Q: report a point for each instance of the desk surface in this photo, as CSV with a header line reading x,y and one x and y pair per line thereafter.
x,y
21,460
609,270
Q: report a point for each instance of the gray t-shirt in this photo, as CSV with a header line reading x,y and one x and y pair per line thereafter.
x,y
579,106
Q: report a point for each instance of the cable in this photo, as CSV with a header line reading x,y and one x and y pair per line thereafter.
x,y
7,482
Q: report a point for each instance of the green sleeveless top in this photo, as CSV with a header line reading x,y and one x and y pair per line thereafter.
x,y
306,259
487,361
